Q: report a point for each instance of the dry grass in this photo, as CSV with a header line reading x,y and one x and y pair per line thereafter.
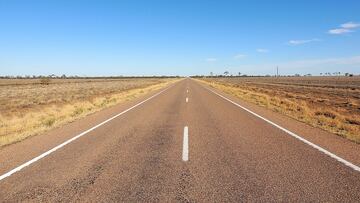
x,y
28,107
330,103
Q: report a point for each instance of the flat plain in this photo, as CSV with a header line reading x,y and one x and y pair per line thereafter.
x,y
330,103
30,106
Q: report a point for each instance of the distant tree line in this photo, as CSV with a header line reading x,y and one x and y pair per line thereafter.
x,y
239,74
63,76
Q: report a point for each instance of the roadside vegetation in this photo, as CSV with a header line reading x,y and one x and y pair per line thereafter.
x,y
330,103
32,106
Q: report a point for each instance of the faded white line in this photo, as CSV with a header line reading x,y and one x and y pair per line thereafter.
x,y
187,91
332,155
74,138
187,100
185,152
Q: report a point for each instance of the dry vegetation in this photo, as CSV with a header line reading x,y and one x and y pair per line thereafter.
x,y
331,103
32,106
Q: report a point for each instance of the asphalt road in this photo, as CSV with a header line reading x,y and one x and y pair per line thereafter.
x,y
184,144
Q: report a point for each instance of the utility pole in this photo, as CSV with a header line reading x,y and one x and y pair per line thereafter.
x,y
277,71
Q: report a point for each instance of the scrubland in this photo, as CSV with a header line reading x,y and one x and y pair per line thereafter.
x,y
330,103
29,107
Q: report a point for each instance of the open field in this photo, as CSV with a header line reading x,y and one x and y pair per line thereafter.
x,y
28,107
330,103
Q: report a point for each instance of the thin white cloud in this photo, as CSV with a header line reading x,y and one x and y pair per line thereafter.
x,y
239,56
350,25
211,59
344,28
262,50
298,42
339,31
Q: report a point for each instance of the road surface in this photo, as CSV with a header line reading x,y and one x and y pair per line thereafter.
x,y
183,144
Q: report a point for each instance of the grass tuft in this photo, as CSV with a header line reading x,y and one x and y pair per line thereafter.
x,y
48,122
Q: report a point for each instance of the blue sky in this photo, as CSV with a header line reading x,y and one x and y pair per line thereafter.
x,y
178,37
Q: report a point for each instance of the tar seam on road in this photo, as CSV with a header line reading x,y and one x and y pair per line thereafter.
x,y
185,152
332,155
74,138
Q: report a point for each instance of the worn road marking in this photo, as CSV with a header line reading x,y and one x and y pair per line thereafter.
x,y
74,138
185,152
187,91
187,99
332,155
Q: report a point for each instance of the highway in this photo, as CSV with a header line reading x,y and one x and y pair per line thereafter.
x,y
185,143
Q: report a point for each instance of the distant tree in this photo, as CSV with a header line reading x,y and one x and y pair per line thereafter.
x,y
226,73
211,74
63,76
320,73
239,73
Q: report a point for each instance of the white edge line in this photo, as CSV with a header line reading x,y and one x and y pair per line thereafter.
x,y
74,138
332,155
185,154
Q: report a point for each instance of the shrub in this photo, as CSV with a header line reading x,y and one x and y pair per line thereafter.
x,y
45,81
49,121
77,111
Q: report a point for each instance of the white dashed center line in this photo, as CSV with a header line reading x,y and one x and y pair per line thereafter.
x,y
185,153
